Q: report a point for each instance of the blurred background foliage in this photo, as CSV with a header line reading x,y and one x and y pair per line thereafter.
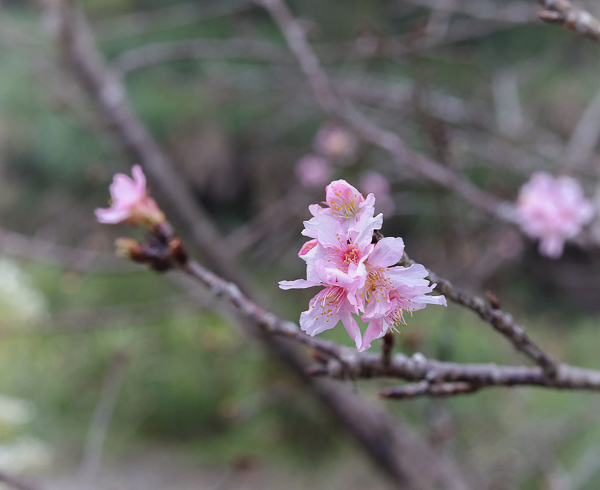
x,y
236,128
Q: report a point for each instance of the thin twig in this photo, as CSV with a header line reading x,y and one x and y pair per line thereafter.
x,y
162,18
425,388
94,444
584,137
82,56
203,49
501,321
70,258
387,346
565,14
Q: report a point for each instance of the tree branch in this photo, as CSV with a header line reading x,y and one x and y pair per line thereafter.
x,y
219,49
350,364
565,14
501,321
81,55
425,388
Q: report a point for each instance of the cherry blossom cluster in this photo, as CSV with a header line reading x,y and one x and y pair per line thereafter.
x,y
553,210
359,277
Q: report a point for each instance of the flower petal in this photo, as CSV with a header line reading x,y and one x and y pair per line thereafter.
x,y
298,284
351,327
375,330
387,252
413,276
111,216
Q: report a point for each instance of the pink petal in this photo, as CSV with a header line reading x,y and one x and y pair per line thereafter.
x,y
313,324
123,190
343,199
387,252
307,247
139,178
336,277
325,229
351,327
297,284
317,210
413,276
375,330
364,228
111,215
313,321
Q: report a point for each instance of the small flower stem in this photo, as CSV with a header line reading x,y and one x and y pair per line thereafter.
x,y
387,345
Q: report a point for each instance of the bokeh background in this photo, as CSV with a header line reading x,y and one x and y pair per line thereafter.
x,y
139,380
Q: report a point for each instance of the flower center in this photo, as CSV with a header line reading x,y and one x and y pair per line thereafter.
x,y
395,319
351,255
345,204
377,284
329,300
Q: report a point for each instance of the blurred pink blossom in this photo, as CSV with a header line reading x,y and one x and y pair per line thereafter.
x,y
335,142
313,171
377,184
553,210
130,202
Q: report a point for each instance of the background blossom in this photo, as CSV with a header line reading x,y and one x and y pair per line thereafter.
x,y
553,210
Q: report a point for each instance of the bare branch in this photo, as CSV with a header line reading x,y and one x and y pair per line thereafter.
x,y
94,444
425,388
350,364
387,345
180,14
501,321
83,58
152,54
565,14
584,137
74,259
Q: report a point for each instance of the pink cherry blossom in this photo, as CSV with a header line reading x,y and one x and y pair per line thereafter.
x,y
344,203
403,299
553,210
384,276
390,290
130,202
313,171
326,309
357,276
339,251
335,142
